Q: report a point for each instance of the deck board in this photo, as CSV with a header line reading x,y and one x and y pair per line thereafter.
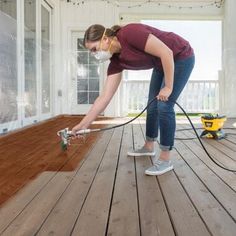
x,y
154,215
94,214
124,214
96,189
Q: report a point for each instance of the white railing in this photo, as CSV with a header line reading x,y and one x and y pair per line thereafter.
x,y
199,96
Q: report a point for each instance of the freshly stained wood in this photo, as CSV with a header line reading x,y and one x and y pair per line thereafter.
x,y
32,151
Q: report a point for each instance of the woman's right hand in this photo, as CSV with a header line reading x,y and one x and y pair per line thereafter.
x,y
111,85
74,130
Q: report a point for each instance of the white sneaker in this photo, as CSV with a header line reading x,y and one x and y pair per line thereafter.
x,y
160,167
141,152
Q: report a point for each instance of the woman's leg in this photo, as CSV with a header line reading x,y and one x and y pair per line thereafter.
x,y
152,121
166,116
183,69
152,117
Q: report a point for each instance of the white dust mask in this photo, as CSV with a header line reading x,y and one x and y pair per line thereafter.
x,y
102,55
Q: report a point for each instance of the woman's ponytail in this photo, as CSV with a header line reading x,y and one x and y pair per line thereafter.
x,y
115,29
95,32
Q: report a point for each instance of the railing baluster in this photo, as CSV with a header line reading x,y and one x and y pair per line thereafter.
x,y
199,96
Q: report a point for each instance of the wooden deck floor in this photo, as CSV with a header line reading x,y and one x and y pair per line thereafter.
x,y
103,192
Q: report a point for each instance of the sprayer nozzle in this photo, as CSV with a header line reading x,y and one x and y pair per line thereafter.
x,y
65,135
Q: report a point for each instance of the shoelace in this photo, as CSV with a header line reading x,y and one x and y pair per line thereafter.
x,y
159,162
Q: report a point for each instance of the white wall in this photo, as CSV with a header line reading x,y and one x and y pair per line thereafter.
x,y
229,59
80,17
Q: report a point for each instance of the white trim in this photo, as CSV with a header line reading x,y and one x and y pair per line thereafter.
x,y
20,65
31,119
127,18
44,116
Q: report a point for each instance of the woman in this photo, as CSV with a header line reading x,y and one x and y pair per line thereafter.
x,y
138,47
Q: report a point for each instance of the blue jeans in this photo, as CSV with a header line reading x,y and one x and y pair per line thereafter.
x,y
161,115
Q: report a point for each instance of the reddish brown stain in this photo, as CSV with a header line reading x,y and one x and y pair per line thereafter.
x,y
27,153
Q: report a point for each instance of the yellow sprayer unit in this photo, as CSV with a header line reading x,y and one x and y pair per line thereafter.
x,y
212,125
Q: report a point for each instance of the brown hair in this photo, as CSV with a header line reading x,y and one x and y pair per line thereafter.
x,y
95,32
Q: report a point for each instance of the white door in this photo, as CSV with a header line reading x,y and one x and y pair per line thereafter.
x,y
86,76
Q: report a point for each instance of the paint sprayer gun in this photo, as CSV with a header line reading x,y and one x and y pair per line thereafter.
x,y
66,134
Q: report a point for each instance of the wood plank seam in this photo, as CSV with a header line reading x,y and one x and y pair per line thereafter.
x,y
164,198
52,177
115,134
49,227
208,144
205,223
91,184
159,186
70,184
114,184
207,165
162,194
135,168
206,187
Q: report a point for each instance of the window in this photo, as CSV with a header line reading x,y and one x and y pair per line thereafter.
x,y
30,95
8,62
88,74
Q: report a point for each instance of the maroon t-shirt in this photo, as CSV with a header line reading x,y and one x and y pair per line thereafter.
x,y
133,38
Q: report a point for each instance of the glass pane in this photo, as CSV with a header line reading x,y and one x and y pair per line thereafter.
x,y
82,58
9,8
82,98
92,59
46,62
88,73
8,62
80,45
94,71
92,97
82,71
94,85
82,85
30,58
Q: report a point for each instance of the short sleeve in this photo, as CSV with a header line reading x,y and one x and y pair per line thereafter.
x,y
136,35
114,68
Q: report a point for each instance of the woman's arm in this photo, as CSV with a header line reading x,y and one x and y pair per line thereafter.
x,y
111,85
156,47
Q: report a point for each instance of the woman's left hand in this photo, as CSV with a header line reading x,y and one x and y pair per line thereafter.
x,y
164,94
